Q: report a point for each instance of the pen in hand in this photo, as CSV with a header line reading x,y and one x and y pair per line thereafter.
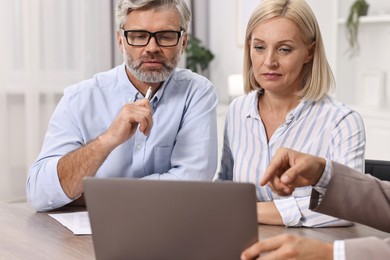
x,y
148,95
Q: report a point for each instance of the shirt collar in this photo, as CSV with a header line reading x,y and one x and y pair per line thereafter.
x,y
253,108
295,113
132,92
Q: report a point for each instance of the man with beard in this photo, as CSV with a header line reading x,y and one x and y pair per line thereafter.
x,y
105,127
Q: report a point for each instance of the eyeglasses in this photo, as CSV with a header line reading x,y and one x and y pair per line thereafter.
x,y
142,38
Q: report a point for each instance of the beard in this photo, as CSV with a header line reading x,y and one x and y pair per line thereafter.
x,y
151,75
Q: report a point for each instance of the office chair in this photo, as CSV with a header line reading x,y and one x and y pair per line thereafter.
x,y
379,169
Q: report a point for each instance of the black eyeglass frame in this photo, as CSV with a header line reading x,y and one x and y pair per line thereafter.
x,y
153,34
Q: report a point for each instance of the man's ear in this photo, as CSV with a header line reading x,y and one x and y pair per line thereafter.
x,y
184,43
120,41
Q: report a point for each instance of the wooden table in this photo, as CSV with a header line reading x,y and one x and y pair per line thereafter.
x,y
25,234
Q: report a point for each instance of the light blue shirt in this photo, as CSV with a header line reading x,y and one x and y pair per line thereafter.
x,y
182,144
325,128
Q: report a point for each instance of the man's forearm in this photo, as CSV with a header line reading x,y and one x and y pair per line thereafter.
x,y
82,162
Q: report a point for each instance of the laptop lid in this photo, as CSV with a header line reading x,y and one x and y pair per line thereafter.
x,y
143,219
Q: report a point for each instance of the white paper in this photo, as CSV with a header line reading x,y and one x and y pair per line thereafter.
x,y
77,222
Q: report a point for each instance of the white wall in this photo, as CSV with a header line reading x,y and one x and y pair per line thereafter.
x,y
326,13
45,46
224,44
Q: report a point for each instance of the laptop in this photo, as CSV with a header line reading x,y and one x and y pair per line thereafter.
x,y
145,219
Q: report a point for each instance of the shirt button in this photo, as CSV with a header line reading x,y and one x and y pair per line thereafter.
x,y
138,146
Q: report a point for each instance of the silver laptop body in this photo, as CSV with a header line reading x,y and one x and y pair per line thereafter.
x,y
141,219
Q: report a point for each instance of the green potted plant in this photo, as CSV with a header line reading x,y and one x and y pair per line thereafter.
x,y
198,57
358,8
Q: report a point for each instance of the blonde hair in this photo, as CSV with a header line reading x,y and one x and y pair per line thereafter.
x,y
317,78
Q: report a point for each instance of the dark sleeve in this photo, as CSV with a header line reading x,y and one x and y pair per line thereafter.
x,y
355,197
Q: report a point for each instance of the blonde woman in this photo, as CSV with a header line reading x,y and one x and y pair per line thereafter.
x,y
287,81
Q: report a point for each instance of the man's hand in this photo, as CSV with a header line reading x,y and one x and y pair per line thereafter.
x,y
85,161
288,247
289,169
133,116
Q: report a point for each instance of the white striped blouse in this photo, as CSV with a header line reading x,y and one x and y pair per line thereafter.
x,y
325,128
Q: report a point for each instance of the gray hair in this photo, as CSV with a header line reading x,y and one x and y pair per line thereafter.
x,y
124,7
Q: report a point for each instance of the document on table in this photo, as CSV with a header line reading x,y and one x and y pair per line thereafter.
x,y
77,222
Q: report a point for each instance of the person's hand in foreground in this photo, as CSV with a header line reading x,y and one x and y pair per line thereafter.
x,y
289,169
288,247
